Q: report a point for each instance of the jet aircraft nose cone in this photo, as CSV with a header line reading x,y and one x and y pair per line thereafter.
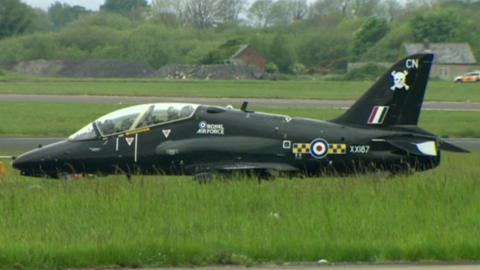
x,y
43,161
15,164
34,163
23,161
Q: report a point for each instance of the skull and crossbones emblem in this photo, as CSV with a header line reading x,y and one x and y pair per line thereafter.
x,y
399,80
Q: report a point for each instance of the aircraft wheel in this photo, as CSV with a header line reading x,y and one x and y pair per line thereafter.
x,y
68,175
265,175
402,169
203,178
381,174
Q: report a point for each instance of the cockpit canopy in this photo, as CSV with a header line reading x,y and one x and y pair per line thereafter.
x,y
135,117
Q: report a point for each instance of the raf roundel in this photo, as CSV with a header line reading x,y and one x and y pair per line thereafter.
x,y
319,148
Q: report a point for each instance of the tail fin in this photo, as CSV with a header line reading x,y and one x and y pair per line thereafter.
x,y
396,98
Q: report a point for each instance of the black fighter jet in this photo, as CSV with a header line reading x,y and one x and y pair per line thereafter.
x,y
379,132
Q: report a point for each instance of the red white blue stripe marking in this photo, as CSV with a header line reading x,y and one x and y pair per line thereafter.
x,y
377,116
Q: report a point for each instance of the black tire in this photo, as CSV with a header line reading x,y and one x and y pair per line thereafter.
x,y
203,178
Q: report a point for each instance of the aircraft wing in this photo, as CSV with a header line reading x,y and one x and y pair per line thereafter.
x,y
253,165
235,144
227,145
224,167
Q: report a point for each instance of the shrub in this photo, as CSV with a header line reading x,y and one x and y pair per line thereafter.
x,y
297,68
271,68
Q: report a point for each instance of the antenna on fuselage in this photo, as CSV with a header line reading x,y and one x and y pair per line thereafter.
x,y
244,106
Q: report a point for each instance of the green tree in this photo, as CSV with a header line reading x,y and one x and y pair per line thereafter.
x,y
322,8
151,44
222,53
38,46
169,12
362,7
229,10
259,12
282,52
62,13
123,7
102,20
265,13
390,10
371,31
298,9
92,32
201,13
281,13
325,51
436,26
389,48
15,17
40,22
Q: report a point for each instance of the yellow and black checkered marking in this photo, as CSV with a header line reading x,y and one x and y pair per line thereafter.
x,y
337,149
301,148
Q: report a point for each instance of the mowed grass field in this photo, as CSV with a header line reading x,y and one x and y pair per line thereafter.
x,y
57,119
165,221
313,89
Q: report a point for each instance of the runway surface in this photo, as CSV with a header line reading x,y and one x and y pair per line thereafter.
x,y
17,144
236,102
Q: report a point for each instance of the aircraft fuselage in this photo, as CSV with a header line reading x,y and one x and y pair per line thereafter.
x,y
218,139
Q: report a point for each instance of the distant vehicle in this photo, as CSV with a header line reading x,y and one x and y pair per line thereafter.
x,y
379,132
468,77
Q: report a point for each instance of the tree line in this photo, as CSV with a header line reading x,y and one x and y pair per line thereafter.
x,y
295,36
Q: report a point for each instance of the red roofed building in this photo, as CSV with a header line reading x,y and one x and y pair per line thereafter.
x,y
247,55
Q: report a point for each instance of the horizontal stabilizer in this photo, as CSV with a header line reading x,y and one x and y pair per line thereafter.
x,y
425,148
444,145
406,146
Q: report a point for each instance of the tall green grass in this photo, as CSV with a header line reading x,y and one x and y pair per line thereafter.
x,y
315,89
162,221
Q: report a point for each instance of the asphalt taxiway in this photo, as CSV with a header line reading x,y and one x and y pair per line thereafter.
x,y
236,102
